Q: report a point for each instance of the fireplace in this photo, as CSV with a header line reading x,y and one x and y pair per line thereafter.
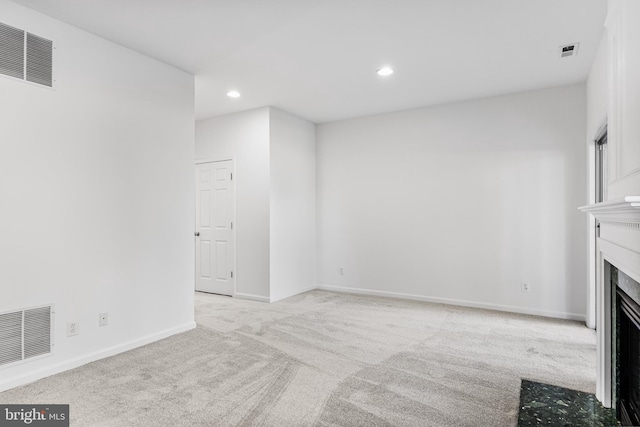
x,y
627,348
617,269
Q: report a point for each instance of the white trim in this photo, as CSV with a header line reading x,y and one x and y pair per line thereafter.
x,y
291,294
623,209
603,332
592,252
592,256
414,297
462,303
625,259
251,297
631,174
214,160
92,357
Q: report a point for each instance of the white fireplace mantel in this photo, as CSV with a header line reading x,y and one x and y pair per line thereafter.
x,y
619,245
624,209
619,240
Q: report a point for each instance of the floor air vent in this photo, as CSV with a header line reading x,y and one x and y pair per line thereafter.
x,y
25,334
26,56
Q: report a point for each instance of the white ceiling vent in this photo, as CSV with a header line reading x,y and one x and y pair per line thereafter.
x,y
26,56
25,334
569,50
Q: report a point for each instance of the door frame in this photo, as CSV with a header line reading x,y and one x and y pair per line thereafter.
x,y
592,257
233,214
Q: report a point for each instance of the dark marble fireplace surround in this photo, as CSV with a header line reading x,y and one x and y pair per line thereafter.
x,y
625,346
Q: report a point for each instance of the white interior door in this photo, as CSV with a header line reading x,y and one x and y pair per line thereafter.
x,y
215,241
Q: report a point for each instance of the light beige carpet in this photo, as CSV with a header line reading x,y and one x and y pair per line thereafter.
x,y
327,359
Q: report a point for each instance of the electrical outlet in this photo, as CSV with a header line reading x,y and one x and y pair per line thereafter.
x,y
341,271
526,287
103,319
73,328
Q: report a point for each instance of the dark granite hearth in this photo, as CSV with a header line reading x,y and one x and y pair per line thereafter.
x,y
548,405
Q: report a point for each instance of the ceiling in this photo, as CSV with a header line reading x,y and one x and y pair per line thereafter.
x,y
318,58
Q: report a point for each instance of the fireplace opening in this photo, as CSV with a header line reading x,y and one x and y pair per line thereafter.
x,y
628,354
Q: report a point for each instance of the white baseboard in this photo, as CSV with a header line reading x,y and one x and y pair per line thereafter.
x,y
251,297
290,294
91,357
462,303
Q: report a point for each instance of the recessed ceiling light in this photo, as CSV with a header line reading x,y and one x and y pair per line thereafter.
x,y
233,94
385,71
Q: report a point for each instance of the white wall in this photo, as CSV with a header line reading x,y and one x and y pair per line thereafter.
x,y
597,91
293,219
96,196
624,102
245,138
459,203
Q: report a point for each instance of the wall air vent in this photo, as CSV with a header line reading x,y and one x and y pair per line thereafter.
x,y
569,50
25,334
11,51
26,56
39,60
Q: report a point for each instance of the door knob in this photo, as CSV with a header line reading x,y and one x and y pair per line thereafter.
x,y
197,234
